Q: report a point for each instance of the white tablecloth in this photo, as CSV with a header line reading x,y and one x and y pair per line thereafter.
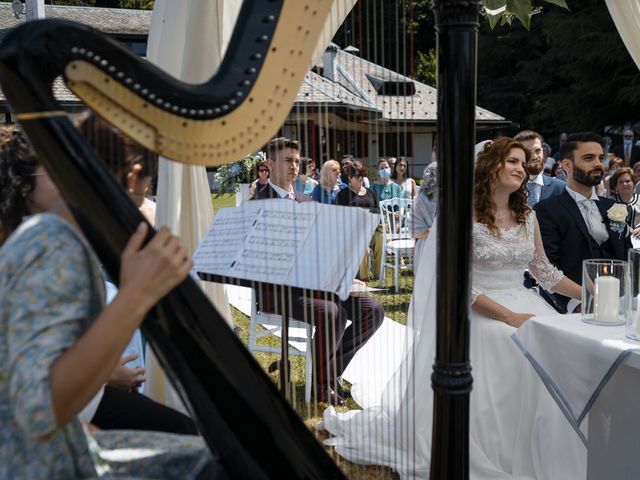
x,y
574,359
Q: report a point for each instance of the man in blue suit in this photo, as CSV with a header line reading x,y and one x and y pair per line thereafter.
x,y
540,186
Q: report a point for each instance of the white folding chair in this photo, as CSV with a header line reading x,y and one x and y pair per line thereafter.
x,y
397,241
299,333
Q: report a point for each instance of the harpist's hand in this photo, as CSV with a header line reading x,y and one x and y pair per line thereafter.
x,y
517,319
150,272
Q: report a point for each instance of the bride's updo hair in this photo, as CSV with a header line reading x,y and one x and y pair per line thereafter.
x,y
489,162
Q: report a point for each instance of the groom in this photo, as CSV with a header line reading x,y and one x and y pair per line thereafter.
x,y
575,225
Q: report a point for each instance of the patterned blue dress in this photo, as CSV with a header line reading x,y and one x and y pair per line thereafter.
x,y
51,289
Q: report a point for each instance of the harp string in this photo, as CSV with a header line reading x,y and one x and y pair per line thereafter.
x,y
326,135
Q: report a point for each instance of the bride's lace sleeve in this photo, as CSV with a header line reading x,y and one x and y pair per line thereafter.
x,y
475,291
540,267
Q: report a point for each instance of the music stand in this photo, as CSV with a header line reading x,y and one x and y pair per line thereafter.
x,y
284,366
257,244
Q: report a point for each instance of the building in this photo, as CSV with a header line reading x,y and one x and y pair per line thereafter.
x,y
347,105
352,106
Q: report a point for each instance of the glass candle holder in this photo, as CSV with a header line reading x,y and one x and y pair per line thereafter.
x,y
633,294
604,296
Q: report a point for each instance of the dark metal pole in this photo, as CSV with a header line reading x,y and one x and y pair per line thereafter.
x,y
457,36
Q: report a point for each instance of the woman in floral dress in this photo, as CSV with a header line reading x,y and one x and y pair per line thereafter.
x,y
58,343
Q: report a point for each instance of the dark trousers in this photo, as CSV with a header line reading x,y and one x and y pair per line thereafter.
x,y
334,344
121,410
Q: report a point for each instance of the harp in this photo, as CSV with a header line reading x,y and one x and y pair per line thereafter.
x,y
236,406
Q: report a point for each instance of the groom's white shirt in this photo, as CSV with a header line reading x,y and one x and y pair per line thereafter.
x,y
578,197
281,191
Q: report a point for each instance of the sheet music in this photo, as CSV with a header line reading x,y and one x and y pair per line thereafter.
x,y
271,245
306,245
216,252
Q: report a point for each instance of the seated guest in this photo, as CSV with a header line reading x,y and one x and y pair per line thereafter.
x,y
263,178
357,195
334,344
60,344
423,212
614,164
627,150
384,188
539,185
549,160
346,160
622,187
636,175
282,174
330,184
400,176
313,171
392,163
558,172
304,184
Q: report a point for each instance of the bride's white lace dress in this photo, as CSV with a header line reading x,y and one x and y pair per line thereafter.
x,y
516,429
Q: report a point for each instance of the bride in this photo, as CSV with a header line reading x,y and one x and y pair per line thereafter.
x,y
516,429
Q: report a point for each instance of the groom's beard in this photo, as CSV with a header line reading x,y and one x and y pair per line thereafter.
x,y
589,178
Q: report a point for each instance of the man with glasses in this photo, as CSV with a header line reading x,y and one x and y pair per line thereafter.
x,y
540,186
334,344
627,150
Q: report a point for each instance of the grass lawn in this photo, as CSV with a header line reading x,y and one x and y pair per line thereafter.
x,y
396,307
223,200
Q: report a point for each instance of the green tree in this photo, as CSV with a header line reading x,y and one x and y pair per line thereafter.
x,y
571,72
426,68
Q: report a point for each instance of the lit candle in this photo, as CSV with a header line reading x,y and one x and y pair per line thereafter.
x,y
606,299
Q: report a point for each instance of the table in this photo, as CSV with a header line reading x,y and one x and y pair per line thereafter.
x,y
591,371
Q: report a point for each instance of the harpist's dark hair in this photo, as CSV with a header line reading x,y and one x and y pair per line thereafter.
x,y
18,163
118,152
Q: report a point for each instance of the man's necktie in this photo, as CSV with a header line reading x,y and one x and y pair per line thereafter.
x,y
291,196
535,189
595,225
627,154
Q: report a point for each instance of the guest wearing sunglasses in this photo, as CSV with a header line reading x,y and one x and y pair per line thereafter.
x,y
263,179
357,195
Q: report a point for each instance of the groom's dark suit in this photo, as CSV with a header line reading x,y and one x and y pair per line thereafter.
x,y
567,241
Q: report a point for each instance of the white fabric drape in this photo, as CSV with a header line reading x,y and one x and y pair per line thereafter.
x,y
187,39
626,16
